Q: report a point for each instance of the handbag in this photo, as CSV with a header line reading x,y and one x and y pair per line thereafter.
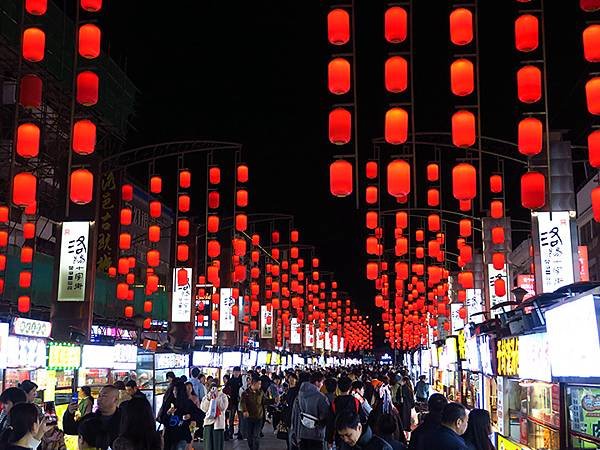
x,y
282,431
212,410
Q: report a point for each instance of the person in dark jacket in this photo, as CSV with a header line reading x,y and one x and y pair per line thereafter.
x,y
355,435
108,413
309,415
182,411
453,426
233,390
26,429
137,427
389,428
477,435
406,400
343,402
9,398
431,421
253,403
287,401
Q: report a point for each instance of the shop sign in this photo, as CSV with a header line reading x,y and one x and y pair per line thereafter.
x,y
456,322
486,355
309,339
534,358
26,352
181,303
508,357
474,305
584,410
584,269
556,254
505,444
462,345
342,348
97,357
327,341
334,343
226,304
73,261
435,362
527,282
30,327
3,345
500,403
125,356
64,356
171,361
266,322
320,338
295,331
473,359
494,275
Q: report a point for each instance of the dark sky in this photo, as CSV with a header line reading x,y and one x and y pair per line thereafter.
x,y
254,72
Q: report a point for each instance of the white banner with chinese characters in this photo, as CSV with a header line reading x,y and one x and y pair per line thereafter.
x,y
342,348
266,323
456,322
556,252
226,303
494,275
474,305
309,337
73,261
181,303
334,343
295,331
320,338
327,340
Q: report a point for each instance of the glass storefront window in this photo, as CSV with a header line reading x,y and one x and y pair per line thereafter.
x,y
583,403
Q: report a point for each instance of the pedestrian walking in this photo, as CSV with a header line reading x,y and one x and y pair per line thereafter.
x,y
253,402
309,415
137,430
214,405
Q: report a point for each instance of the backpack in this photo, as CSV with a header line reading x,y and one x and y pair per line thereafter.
x,y
356,405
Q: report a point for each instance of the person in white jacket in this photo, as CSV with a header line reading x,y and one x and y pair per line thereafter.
x,y
214,404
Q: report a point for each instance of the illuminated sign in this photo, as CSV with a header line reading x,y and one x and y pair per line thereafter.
x,y
26,352
494,275
309,339
125,356
171,361
73,261
30,327
64,356
508,357
527,282
474,303
226,304
434,356
485,355
334,343
181,303
505,444
462,345
556,254
327,341
97,357
534,358
266,322
3,345
295,331
320,338
456,322
342,348
584,269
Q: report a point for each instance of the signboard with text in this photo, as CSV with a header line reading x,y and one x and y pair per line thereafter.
x,y
507,355
73,261
266,322
295,331
181,304
309,338
474,305
226,304
29,327
556,253
493,275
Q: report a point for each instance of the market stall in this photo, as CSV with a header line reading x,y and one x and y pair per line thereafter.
x,y
163,363
97,362
209,363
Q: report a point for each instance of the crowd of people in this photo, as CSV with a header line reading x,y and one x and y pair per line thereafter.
x,y
361,408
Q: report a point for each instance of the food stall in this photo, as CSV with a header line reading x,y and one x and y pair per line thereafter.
x,y
249,359
125,362
449,368
489,388
472,378
26,352
163,363
97,362
209,363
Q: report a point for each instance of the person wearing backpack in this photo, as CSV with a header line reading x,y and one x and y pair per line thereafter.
x,y
309,415
343,402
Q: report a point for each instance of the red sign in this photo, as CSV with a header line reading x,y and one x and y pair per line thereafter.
x,y
527,282
582,255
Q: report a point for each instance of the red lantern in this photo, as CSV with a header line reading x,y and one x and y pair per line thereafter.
x,y
24,189
396,25
530,136
398,178
26,255
500,287
213,224
241,222
213,249
214,175
496,184
127,192
242,173
24,279
89,41
340,178
128,311
419,235
91,5
184,203
371,170
81,186
147,306
87,88
30,91
461,26
338,27
498,260
591,43
596,203
433,197
465,227
153,258
396,74
154,233
433,172
462,77
396,126
498,235
23,304
433,223
464,181
496,209
155,209
185,179
242,198
594,148
125,241
592,93
529,84
213,199
527,33
28,140
338,76
3,262
372,220
589,5
340,126
3,238
533,190
182,277
84,137
371,195
34,44
156,184
372,271
183,252
401,220
36,7
466,253
125,216
463,128
4,214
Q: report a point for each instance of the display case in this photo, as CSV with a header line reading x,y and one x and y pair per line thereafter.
x,y
163,364
583,412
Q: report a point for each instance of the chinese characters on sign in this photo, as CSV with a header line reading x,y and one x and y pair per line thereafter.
x,y
73,261
295,331
266,322
309,340
556,255
226,317
108,222
474,304
456,322
508,357
181,304
527,282
30,327
494,275
320,338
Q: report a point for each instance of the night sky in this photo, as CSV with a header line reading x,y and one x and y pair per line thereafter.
x,y
255,73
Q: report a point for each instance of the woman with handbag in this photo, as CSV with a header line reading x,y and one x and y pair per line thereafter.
x,y
181,415
214,404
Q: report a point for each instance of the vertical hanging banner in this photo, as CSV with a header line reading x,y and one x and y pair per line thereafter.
x,y
456,322
226,303
334,343
342,348
295,331
556,253
181,303
493,275
73,261
584,269
320,338
327,340
266,323
474,304
309,338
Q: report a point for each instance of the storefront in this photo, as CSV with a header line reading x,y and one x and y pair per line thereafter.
x,y
472,378
125,363
97,362
210,363
488,386
163,363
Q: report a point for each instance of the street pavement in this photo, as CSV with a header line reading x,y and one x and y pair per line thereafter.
x,y
269,442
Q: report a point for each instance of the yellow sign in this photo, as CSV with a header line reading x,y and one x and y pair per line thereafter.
x,y
64,356
462,345
505,444
508,357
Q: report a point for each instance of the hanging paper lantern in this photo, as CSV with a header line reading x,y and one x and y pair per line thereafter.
x,y
26,254
596,203
594,148
533,190
466,253
24,189
241,222
36,7
433,172
125,216
401,220
589,5
338,76
241,198
371,195
89,41
91,5
156,184
463,128
34,44
185,179
155,209
398,178
242,173
212,224
4,214
87,88
467,280
396,126
419,235
214,175
498,260
462,77
372,271
127,192
340,178
213,248
496,209
530,136
340,126
498,235
183,252
183,203
465,227
464,182
496,184
28,140
81,186
591,43
24,279
153,258
154,233
396,74
433,223
213,199
372,220
500,287
84,137
3,238
527,33
433,197
338,27
23,303
124,241
529,84
592,93
30,91
371,170
396,25
461,26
